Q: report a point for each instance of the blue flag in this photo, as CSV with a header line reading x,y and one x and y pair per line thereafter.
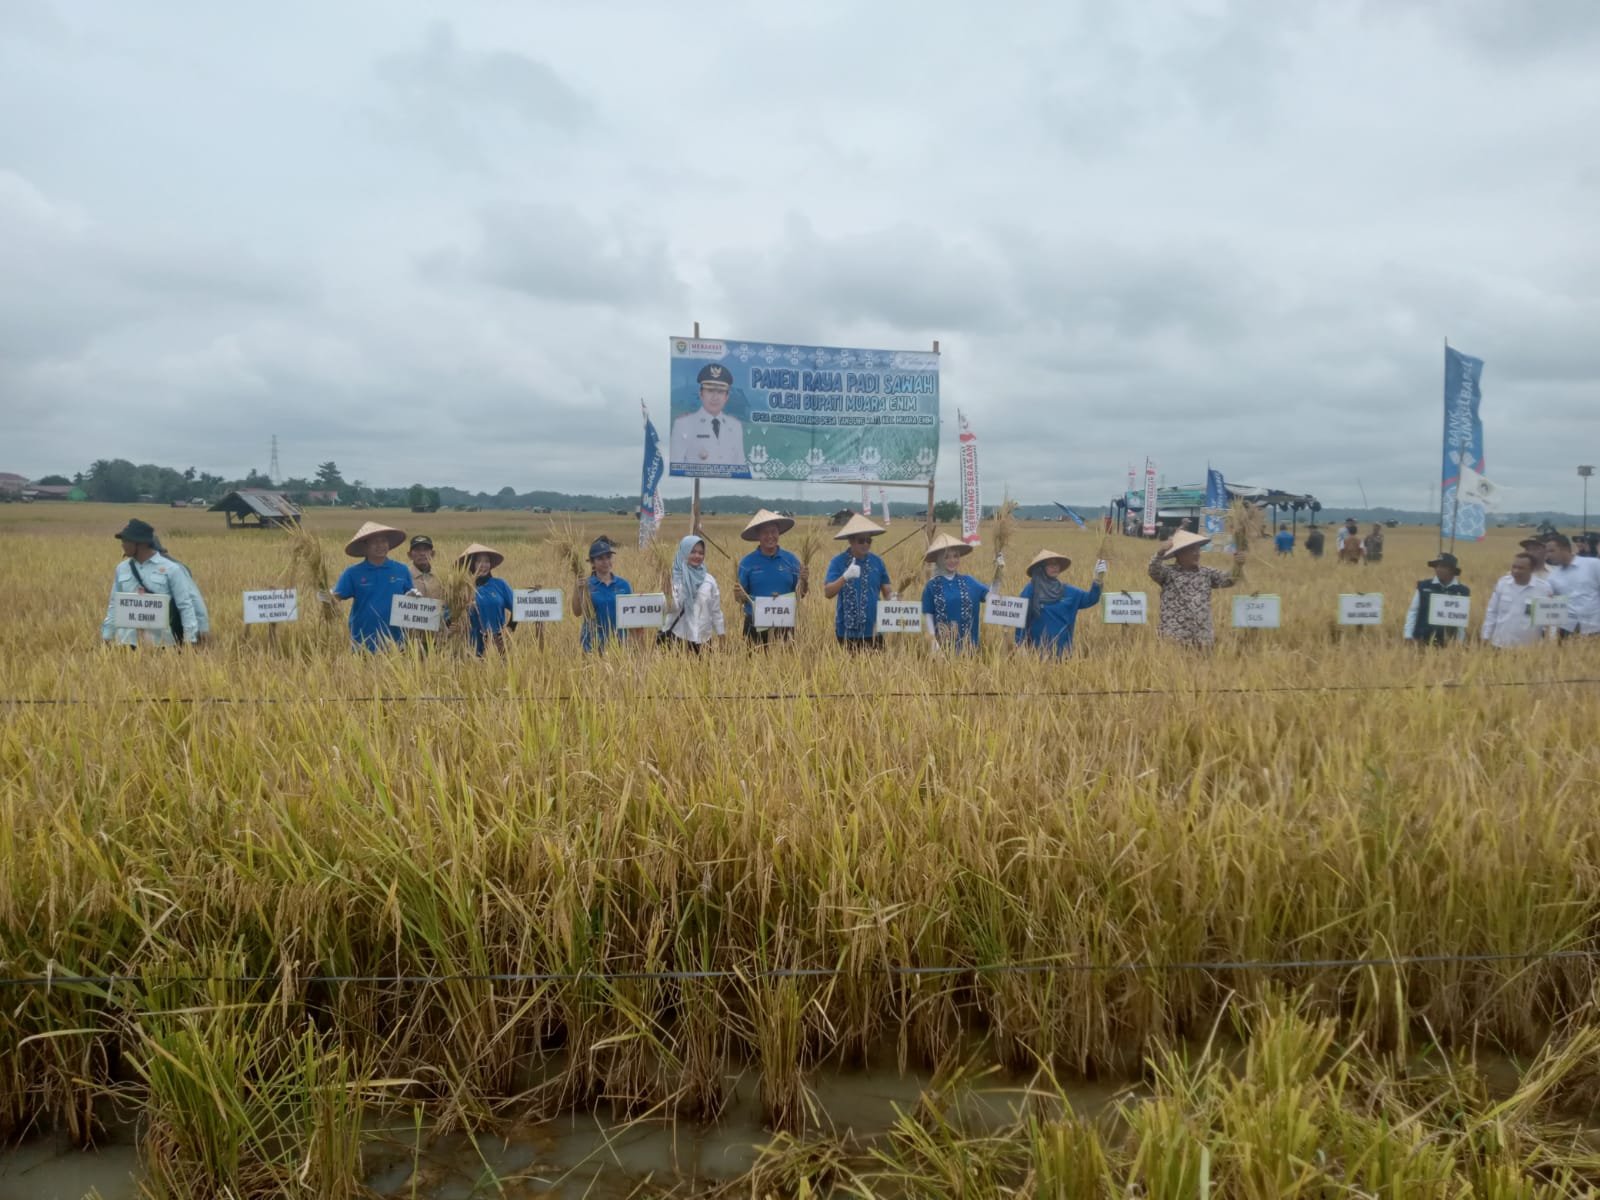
x,y
655,466
1216,507
1463,446
1074,516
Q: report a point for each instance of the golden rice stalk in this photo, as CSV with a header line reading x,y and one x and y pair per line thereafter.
x,y
308,569
661,559
1005,521
1239,526
811,543
570,549
911,573
460,594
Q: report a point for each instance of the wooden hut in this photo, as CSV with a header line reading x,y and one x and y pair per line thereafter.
x,y
251,508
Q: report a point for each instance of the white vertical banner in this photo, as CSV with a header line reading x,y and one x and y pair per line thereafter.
x,y
1149,497
969,481
883,505
866,501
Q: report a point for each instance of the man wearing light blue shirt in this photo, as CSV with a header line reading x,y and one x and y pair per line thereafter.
x,y
143,570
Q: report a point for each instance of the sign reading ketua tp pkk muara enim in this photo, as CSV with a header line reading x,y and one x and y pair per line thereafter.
x,y
773,612
1124,608
1255,612
139,610
1450,611
416,612
642,610
536,604
1549,612
899,616
1364,608
271,606
1009,611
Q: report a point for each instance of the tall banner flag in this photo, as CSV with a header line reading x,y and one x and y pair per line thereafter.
x,y
866,502
1072,516
1149,497
883,505
1461,507
969,481
750,410
1216,508
651,507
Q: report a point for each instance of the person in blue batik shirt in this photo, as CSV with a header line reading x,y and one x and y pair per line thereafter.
x,y
952,603
602,589
768,571
492,604
1052,605
857,579
372,585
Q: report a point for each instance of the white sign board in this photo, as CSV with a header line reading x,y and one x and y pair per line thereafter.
x,y
1449,611
1124,608
536,604
643,610
773,612
1255,612
271,606
139,610
1010,611
1361,608
1549,611
416,612
899,616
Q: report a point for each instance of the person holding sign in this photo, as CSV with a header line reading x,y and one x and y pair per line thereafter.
x,y
144,570
858,579
493,605
372,584
695,595
952,603
603,588
1053,606
768,571
1578,579
1508,617
1186,589
1419,617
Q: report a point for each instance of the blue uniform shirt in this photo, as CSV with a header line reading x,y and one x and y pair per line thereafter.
x,y
1284,541
602,627
370,589
768,575
491,609
956,601
1053,626
856,611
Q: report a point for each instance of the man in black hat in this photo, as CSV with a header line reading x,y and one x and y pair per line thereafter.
x,y
423,581
708,436
1445,582
144,570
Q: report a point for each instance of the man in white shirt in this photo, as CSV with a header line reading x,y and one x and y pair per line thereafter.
x,y
1508,617
708,436
1578,579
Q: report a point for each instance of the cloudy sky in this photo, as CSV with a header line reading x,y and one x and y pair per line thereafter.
x,y
449,242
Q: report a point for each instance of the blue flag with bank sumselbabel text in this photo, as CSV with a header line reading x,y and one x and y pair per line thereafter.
x,y
1463,447
655,466
1216,507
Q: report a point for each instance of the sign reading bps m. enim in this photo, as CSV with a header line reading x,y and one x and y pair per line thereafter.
x,y
758,410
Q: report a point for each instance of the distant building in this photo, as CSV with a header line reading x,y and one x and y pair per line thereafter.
x,y
11,485
54,491
324,497
251,508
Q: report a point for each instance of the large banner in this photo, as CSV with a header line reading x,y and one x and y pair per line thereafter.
x,y
971,505
749,410
1463,448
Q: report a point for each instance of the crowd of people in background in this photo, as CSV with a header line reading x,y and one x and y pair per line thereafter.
x,y
1547,565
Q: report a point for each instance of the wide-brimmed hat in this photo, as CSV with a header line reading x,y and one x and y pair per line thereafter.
x,y
1046,556
1183,539
466,556
600,546
137,531
390,534
940,544
857,526
752,531
1446,560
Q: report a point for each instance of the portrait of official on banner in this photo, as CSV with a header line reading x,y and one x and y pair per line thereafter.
x,y
759,410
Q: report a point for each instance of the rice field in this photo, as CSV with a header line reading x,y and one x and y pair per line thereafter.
x,y
319,893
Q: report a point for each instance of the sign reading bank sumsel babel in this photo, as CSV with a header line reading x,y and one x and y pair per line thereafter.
x,y
769,410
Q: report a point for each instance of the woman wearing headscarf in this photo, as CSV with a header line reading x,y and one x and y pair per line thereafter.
x,y
952,603
1052,605
695,595
492,605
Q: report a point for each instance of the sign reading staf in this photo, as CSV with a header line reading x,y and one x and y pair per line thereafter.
x,y
1255,612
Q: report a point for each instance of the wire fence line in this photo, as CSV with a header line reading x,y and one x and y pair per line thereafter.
x,y
734,974
904,694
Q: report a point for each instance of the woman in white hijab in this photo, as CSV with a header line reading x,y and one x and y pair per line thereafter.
x,y
695,596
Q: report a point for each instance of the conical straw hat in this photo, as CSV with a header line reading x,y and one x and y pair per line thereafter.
x,y
856,526
1183,539
941,543
1045,556
466,556
353,546
752,531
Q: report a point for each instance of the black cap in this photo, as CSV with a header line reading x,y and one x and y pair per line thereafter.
x,y
422,540
715,373
1446,560
600,546
137,531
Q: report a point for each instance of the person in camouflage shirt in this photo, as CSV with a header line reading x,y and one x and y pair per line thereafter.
x,y
1186,589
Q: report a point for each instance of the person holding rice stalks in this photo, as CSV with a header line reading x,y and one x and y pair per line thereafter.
x,y
952,603
768,571
145,569
490,617
1053,606
597,597
695,596
1186,589
857,578
372,584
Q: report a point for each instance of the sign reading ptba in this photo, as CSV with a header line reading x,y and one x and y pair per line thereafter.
x,y
416,612
536,604
770,410
773,612
642,610
271,607
139,610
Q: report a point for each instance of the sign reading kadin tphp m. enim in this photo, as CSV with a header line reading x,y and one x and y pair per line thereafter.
x,y
416,612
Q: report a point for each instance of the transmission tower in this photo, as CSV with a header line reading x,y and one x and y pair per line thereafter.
x,y
272,472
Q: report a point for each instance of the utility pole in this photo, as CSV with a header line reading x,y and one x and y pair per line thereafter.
x,y
273,473
1583,474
